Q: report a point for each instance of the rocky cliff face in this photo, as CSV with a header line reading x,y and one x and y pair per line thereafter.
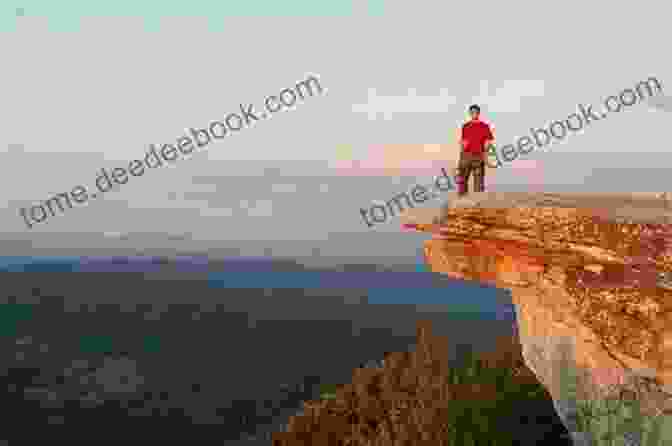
x,y
595,270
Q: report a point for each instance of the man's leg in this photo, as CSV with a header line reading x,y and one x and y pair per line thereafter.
x,y
464,171
479,175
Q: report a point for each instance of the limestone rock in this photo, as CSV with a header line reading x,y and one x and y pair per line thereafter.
x,y
591,269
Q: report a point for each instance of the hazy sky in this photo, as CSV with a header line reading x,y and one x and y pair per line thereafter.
x,y
84,88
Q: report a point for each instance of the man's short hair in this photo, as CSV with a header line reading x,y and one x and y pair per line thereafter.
x,y
474,108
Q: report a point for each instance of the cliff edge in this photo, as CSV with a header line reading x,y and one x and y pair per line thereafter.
x,y
595,269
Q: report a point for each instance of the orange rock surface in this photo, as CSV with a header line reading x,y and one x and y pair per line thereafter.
x,y
592,269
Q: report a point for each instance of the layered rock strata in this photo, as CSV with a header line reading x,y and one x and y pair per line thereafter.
x,y
594,270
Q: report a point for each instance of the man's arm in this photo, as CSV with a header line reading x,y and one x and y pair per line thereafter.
x,y
463,142
490,138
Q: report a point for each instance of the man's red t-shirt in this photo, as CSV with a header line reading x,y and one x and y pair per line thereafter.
x,y
476,133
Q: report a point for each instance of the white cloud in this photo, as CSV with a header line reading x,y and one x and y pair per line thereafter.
x,y
261,208
506,99
411,103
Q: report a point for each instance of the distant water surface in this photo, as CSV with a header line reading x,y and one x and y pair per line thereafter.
x,y
383,287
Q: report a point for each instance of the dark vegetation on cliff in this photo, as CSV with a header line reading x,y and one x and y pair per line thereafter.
x,y
416,398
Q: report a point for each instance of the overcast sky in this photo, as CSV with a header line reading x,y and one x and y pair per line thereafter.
x,y
79,94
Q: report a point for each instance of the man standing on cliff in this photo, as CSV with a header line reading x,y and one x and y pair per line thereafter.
x,y
475,138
